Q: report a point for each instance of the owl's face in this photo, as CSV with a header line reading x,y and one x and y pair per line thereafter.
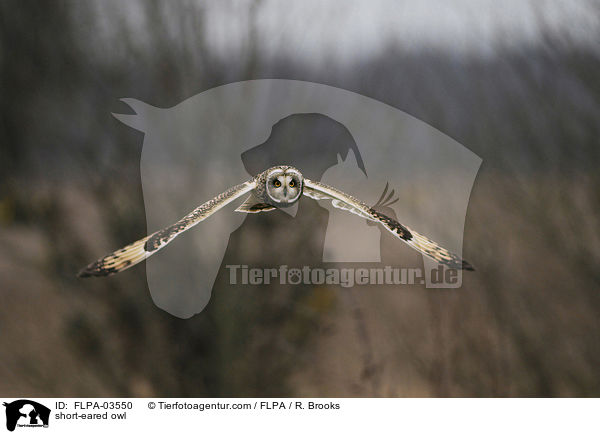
x,y
284,185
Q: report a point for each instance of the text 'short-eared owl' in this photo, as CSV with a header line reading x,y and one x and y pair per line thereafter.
x,y
277,187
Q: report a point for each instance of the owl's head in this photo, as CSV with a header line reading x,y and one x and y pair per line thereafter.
x,y
284,185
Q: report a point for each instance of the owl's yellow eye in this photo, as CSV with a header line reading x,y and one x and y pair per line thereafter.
x,y
292,183
277,183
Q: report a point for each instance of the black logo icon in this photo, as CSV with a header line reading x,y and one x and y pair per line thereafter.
x,y
26,413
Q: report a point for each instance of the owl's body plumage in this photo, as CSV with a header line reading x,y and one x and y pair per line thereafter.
x,y
277,187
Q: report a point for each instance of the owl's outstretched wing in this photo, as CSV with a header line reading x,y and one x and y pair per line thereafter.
x,y
339,199
136,252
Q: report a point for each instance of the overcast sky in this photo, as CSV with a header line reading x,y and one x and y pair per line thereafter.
x,y
316,30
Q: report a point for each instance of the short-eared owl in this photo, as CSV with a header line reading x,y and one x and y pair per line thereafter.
x,y
277,187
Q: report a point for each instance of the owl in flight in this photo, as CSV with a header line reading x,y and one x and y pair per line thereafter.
x,y
277,187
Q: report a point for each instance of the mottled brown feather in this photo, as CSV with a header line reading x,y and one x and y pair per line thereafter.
x,y
424,245
136,252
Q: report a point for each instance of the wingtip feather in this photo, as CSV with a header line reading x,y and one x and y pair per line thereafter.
x,y
467,266
119,260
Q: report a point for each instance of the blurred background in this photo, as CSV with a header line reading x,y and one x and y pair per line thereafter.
x,y
516,82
